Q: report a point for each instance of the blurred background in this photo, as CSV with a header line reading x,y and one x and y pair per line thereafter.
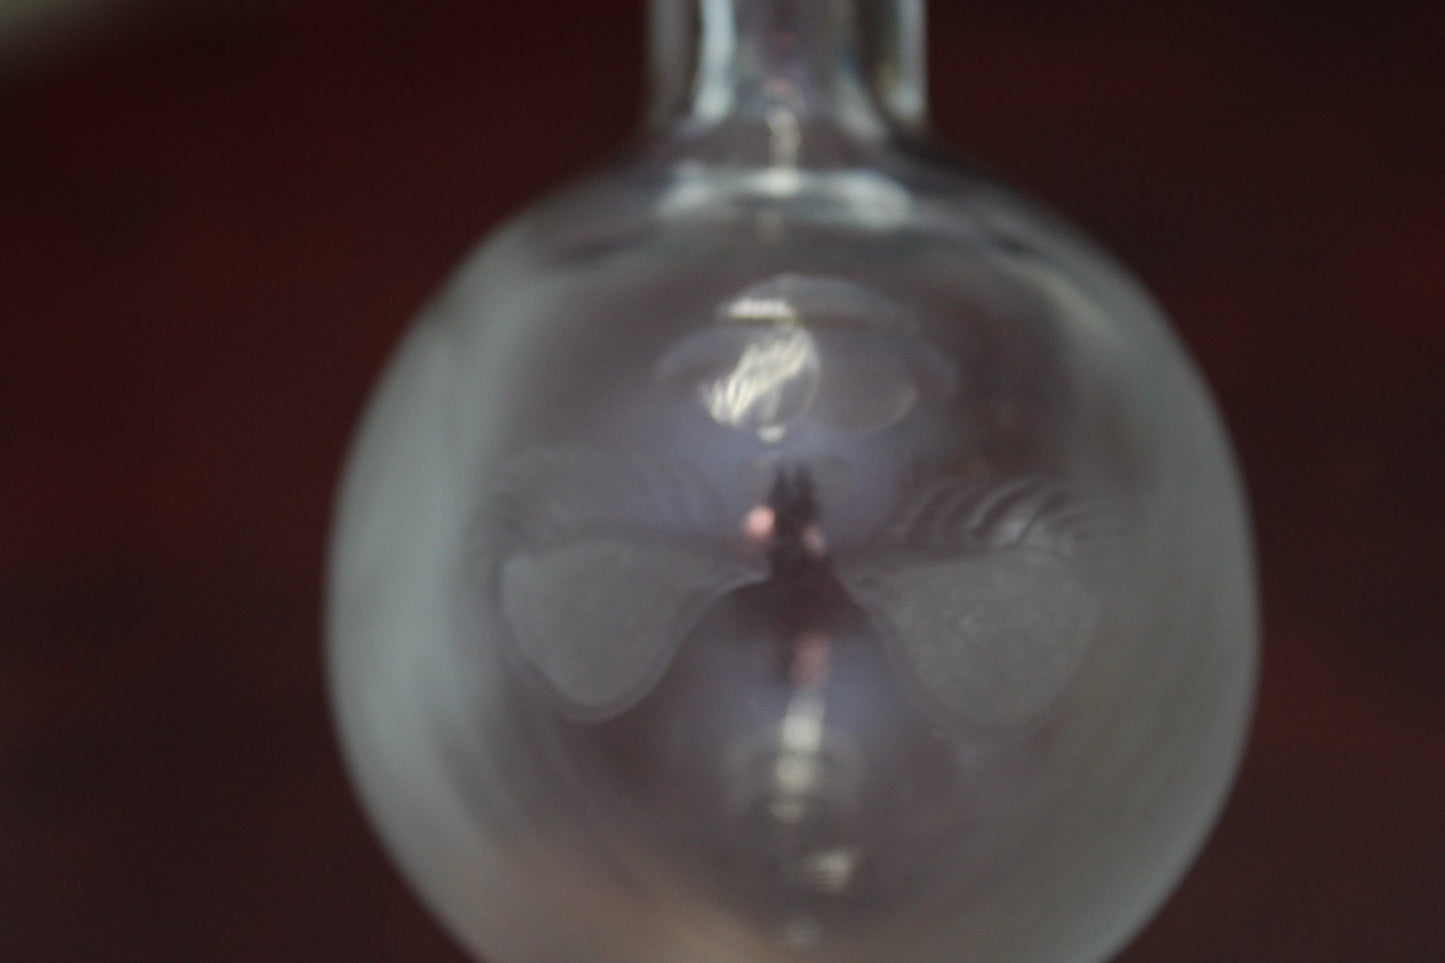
x,y
216,217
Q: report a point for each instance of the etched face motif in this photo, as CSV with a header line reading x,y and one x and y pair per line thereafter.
x,y
772,616
971,585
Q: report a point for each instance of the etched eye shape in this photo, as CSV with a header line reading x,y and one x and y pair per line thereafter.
x,y
976,589
972,587
611,562
802,348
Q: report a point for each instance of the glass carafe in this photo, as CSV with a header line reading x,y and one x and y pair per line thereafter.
x,y
786,544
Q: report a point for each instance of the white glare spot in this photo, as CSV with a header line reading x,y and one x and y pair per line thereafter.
x,y
759,523
831,870
777,310
773,381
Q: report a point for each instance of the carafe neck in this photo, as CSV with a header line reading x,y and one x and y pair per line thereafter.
x,y
857,65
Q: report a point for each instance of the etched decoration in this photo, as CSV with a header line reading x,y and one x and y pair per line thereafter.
x,y
971,586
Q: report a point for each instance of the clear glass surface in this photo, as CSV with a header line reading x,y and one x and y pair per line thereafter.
x,y
785,544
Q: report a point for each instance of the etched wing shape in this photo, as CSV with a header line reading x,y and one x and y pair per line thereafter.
x,y
976,591
610,562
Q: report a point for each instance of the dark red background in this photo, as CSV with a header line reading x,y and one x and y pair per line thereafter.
x,y
213,227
